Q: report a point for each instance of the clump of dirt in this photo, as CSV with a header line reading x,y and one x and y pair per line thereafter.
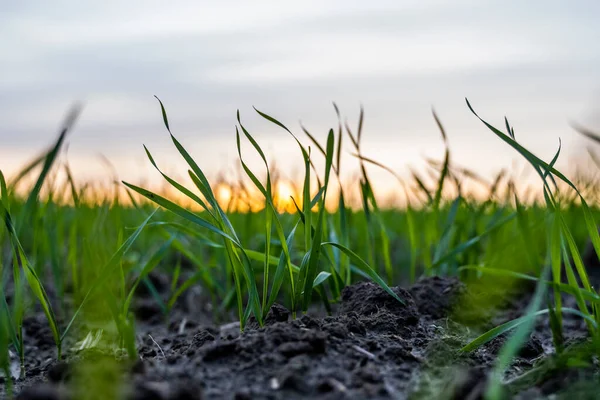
x,y
374,347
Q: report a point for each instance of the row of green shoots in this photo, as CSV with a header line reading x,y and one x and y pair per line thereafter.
x,y
249,261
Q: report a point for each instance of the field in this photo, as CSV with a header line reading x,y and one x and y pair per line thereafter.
x,y
129,293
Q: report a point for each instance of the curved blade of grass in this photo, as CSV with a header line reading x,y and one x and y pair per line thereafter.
x,y
222,217
322,277
537,162
205,186
248,171
507,326
178,186
361,117
182,212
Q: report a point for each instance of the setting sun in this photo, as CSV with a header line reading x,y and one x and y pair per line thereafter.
x,y
283,197
223,194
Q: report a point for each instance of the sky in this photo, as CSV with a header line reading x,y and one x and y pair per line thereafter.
x,y
536,62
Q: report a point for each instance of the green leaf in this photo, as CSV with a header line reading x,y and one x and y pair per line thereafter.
x,y
322,277
507,326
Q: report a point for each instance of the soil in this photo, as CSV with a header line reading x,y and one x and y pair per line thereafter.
x,y
372,347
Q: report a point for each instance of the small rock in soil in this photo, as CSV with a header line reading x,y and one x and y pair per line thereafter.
x,y
277,313
201,338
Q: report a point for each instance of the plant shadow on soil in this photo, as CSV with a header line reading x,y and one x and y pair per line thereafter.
x,y
373,347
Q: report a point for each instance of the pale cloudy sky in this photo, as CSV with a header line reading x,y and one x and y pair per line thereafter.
x,y
538,62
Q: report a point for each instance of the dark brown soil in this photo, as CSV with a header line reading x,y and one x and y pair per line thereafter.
x,y
372,348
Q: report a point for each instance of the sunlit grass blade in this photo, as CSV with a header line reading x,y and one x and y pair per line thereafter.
x,y
178,186
205,186
178,210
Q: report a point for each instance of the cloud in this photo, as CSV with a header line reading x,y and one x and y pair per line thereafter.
x,y
360,55
292,60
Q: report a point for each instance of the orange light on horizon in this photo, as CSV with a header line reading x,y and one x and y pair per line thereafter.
x,y
224,195
283,197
